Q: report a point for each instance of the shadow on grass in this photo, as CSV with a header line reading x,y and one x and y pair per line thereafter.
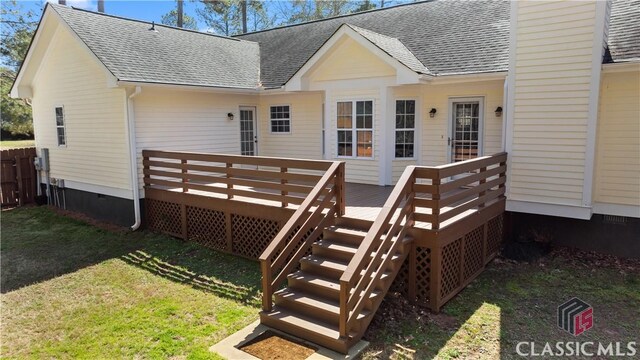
x,y
39,245
508,304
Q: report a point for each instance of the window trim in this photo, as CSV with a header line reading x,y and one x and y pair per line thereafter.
x,y
354,129
416,133
290,121
64,125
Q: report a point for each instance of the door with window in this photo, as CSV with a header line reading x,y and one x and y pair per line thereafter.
x,y
248,132
465,140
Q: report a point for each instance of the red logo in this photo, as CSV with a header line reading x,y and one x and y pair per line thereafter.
x,y
575,316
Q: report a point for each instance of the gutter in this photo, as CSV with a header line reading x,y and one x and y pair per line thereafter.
x,y
133,157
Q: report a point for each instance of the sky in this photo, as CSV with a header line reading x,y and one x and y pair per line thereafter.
x,y
148,10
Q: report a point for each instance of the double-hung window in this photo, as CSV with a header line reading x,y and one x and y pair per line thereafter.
x,y
280,119
405,128
355,128
60,130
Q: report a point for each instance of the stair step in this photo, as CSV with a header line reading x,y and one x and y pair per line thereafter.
x,y
334,250
307,328
319,265
354,223
314,306
320,285
344,235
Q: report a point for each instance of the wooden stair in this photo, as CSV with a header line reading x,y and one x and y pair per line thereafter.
x,y
309,306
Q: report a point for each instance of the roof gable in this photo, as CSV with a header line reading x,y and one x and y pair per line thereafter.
x,y
382,49
134,53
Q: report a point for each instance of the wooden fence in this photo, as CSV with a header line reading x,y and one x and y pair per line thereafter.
x,y
17,177
235,204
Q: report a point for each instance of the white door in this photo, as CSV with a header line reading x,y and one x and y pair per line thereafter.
x,y
248,131
465,139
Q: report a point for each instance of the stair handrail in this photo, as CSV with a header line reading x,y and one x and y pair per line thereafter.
x,y
379,238
328,202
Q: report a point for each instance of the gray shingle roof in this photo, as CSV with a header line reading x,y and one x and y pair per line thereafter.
x,y
132,52
448,37
624,31
394,47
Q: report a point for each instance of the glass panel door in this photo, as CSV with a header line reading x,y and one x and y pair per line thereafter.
x,y
248,137
465,140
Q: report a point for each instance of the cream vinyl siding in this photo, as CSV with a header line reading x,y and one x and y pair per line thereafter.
x,y
553,61
350,60
169,119
96,151
617,176
305,139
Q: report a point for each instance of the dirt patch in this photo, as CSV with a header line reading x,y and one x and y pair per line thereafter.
x,y
91,221
592,259
270,345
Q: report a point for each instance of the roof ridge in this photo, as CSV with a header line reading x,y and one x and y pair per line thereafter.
x,y
54,6
336,17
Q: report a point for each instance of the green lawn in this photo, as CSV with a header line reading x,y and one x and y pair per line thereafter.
x,y
15,144
71,290
513,302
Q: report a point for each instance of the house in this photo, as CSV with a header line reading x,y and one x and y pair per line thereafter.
x,y
554,84
463,109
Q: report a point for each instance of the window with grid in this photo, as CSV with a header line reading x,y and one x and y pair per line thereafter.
x,y
60,130
405,128
280,119
355,138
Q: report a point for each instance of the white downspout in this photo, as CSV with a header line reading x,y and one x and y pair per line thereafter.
x,y
133,154
505,113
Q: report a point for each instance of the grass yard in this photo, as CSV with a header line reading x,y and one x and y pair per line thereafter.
x,y
513,302
71,290
16,144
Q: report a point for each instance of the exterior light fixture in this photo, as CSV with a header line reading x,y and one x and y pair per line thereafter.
x,y
499,111
432,113
230,116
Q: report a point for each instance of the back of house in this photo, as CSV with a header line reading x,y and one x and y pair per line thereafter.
x,y
554,84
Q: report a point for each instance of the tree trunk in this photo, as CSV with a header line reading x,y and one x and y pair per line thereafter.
x,y
101,6
180,14
244,16
381,4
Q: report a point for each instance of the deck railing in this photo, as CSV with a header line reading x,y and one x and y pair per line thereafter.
x,y
293,241
440,197
287,181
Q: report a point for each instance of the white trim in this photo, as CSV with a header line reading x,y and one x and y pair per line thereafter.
x,y
460,78
416,131
253,108
277,133
594,97
469,99
99,189
297,82
200,88
616,209
64,125
509,107
387,106
534,207
354,129
621,67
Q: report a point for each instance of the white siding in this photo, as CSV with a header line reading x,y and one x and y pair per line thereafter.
x,y
553,74
305,139
96,151
188,121
617,176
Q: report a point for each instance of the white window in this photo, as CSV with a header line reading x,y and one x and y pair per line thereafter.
x,y
62,137
280,119
405,128
355,138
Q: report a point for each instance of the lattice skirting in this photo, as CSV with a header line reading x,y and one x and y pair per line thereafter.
x,y
458,262
237,234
